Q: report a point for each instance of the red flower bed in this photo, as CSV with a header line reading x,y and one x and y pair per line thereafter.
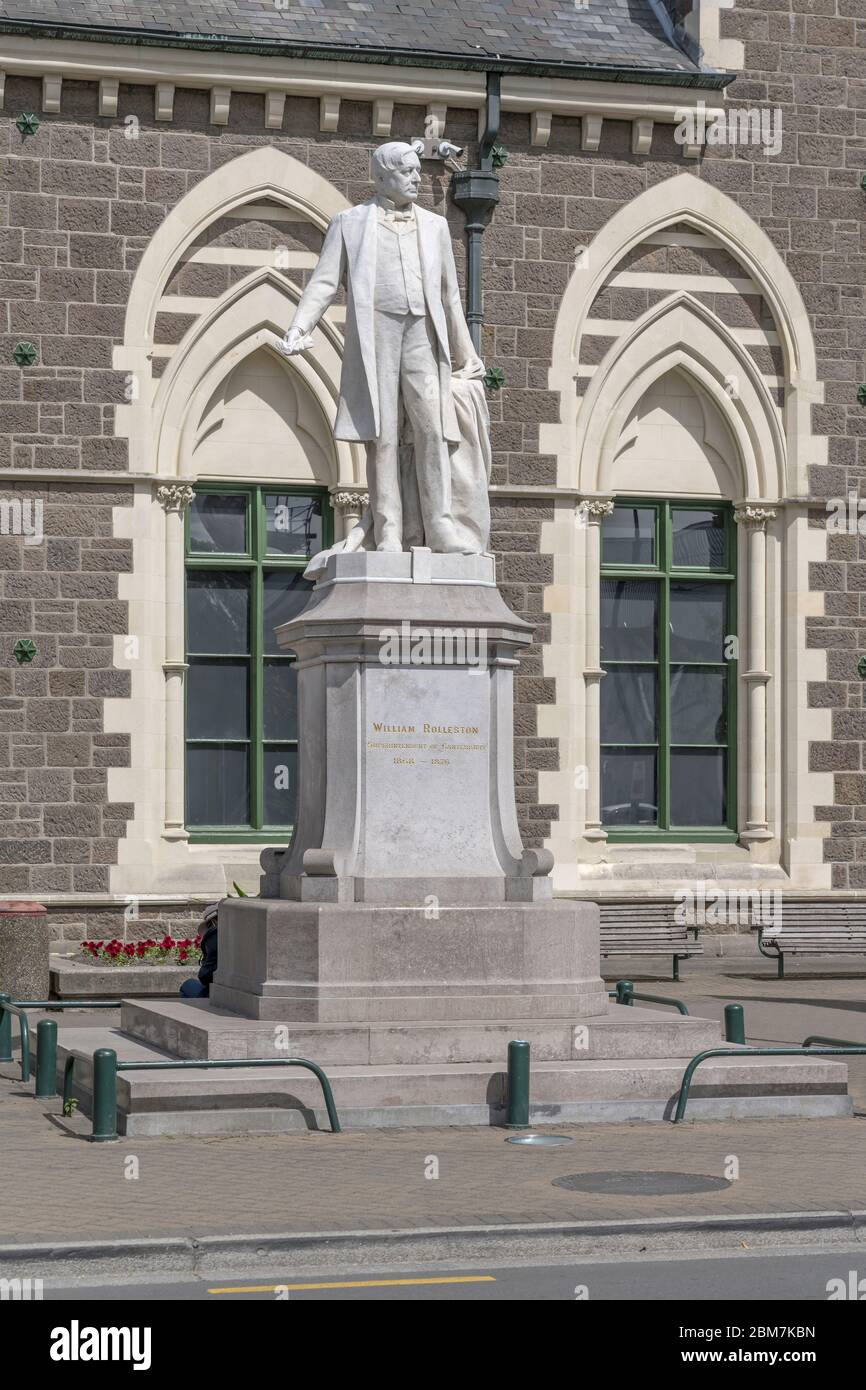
x,y
168,951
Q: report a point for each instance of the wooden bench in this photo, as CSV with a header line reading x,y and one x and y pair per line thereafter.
x,y
646,929
814,929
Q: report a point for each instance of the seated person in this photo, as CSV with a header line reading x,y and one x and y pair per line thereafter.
x,y
200,988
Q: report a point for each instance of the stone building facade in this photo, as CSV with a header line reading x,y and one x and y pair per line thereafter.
x,y
673,290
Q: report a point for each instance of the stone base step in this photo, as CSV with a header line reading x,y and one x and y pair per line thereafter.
x,y
257,1100
195,1029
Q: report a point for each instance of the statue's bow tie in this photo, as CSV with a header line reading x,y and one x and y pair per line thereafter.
x,y
395,215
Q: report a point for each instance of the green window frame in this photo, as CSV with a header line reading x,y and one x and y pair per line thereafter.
x,y
661,572
255,561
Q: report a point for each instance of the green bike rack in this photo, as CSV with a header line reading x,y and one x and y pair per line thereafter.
x,y
625,993
848,1050
106,1067
8,1007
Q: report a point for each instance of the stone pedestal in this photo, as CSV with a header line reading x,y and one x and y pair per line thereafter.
x,y
359,963
406,786
406,894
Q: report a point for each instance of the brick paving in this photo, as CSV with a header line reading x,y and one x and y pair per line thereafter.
x,y
54,1185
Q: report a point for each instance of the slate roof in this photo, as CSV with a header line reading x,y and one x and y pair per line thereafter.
x,y
614,33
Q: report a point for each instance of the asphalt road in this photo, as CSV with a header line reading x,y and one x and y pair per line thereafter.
x,y
801,1273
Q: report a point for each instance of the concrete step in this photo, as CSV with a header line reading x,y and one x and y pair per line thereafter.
x,y
264,1100
195,1029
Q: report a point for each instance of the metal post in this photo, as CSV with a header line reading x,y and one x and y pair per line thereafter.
x,y
46,1060
517,1115
735,1024
5,1030
104,1094
624,992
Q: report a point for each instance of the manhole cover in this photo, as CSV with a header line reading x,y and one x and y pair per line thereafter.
x,y
539,1140
631,1184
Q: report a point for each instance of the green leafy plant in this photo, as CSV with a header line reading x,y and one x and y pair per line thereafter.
x,y
239,892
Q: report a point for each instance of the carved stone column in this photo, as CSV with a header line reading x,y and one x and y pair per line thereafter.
x,y
349,503
593,510
174,498
755,520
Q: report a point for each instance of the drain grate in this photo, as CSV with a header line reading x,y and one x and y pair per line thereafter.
x,y
539,1140
633,1184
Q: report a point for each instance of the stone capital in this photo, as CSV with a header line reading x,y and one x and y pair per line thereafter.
x,y
175,497
595,509
352,500
754,517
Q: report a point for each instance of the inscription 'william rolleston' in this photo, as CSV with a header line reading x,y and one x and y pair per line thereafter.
x,y
426,729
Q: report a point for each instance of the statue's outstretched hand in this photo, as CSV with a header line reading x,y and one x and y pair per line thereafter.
x,y
295,341
473,367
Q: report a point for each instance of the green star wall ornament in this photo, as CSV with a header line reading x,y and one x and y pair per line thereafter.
x,y
494,378
27,123
25,354
24,650
861,668
498,156
861,395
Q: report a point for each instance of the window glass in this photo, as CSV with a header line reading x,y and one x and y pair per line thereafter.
x,y
218,522
698,538
628,710
629,619
294,524
280,785
628,787
217,699
698,621
628,536
217,611
698,705
280,713
285,595
698,786
217,791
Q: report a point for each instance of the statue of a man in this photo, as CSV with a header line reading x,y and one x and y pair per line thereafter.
x,y
405,327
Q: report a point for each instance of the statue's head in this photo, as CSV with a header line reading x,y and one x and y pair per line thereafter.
x,y
397,172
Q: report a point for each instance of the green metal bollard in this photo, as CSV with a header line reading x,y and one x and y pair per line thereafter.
x,y
5,1030
735,1024
624,992
517,1115
104,1095
46,1060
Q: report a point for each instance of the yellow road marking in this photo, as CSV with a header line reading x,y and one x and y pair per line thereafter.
x,y
362,1284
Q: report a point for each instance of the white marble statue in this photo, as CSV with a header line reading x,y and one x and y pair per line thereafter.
x,y
411,383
